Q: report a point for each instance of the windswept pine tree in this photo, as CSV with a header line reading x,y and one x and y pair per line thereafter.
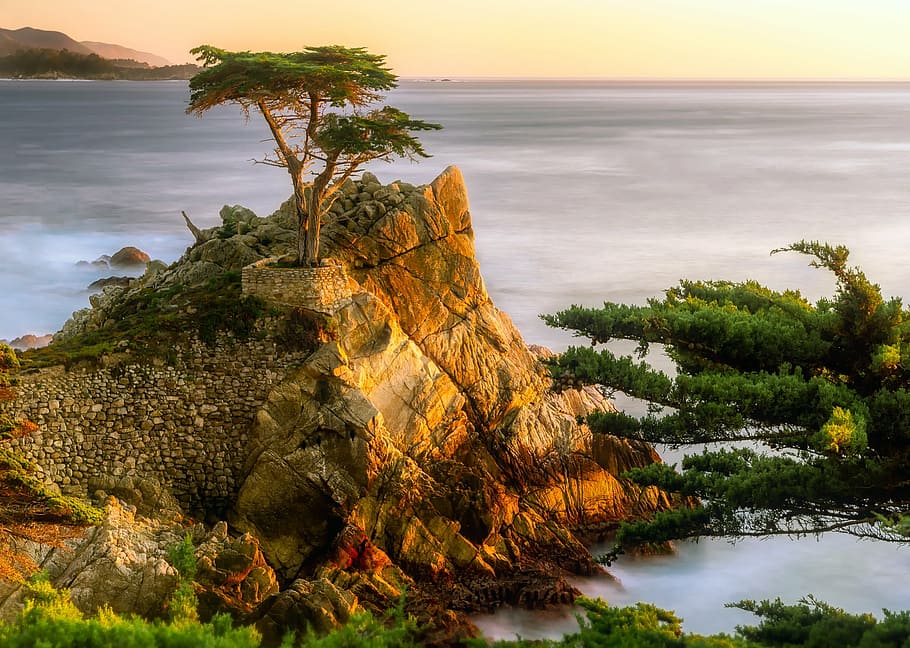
x,y
320,107
813,398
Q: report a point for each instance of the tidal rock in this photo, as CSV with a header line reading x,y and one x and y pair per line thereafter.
x,y
129,257
98,284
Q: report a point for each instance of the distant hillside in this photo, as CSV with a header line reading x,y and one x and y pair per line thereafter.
x,y
111,51
63,64
12,40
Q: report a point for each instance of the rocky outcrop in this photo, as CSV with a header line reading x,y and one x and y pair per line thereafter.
x,y
420,444
104,282
124,564
429,427
29,341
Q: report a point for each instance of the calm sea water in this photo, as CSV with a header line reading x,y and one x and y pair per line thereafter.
x,y
580,192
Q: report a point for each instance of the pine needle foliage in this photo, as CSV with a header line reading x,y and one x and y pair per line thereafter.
x,y
320,105
816,398
809,623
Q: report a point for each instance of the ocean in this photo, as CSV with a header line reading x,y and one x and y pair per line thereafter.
x,y
581,192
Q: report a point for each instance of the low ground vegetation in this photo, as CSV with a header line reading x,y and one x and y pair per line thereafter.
x,y
151,321
29,510
49,618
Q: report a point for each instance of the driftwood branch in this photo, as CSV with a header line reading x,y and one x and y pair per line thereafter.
x,y
197,233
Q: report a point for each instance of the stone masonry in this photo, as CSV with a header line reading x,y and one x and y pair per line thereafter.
x,y
320,289
185,425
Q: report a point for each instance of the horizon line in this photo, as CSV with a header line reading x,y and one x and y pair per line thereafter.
x,y
648,79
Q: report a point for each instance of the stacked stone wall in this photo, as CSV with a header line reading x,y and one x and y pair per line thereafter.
x,y
186,425
321,289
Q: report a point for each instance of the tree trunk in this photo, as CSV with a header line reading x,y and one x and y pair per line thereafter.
x,y
315,199
197,233
311,248
301,205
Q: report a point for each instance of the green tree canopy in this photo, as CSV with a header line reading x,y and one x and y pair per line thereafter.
x,y
320,107
815,397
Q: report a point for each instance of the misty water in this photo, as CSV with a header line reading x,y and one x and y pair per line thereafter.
x,y
580,192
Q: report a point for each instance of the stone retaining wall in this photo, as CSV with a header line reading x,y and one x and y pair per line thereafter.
x,y
321,289
186,425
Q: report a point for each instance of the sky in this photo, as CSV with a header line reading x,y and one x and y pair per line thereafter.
x,y
517,38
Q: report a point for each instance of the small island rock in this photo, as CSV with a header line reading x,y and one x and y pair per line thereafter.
x,y
129,257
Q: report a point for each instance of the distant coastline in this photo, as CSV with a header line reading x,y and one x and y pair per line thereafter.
x,y
709,82
63,64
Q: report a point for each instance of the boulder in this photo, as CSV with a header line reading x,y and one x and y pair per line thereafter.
x,y
129,257
99,284
232,573
229,254
307,604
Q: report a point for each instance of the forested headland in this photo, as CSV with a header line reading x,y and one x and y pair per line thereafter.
x,y
64,64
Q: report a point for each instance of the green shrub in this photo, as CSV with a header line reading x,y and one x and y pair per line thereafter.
x,y
50,620
183,605
303,330
9,361
228,228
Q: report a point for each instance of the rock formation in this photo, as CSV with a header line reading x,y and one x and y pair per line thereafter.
x,y
124,564
29,341
129,257
427,429
420,443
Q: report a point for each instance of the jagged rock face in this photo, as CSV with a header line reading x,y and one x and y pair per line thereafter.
x,y
124,564
121,563
418,258
422,446
429,428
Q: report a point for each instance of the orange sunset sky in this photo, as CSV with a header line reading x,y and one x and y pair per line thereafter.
x,y
530,38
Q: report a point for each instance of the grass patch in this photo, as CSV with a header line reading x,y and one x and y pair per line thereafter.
x,y
151,321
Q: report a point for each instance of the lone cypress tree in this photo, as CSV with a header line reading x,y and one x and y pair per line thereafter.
x,y
817,397
319,105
